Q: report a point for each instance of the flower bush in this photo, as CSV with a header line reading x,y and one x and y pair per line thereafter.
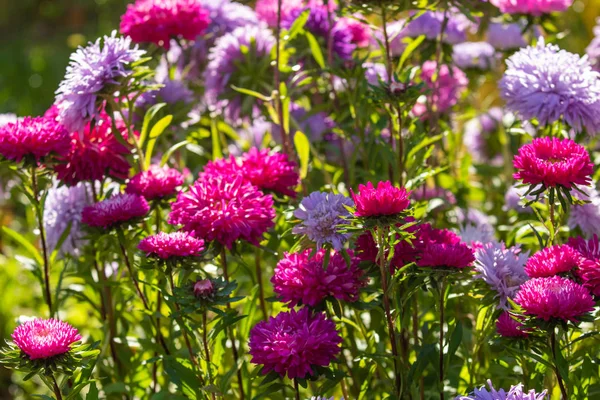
x,y
309,199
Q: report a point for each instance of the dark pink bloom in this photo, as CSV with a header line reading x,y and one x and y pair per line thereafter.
x,y
554,297
552,162
45,338
589,273
158,21
361,33
444,91
167,245
587,248
33,137
446,255
267,171
155,183
294,342
225,209
300,278
386,199
552,261
509,327
204,289
116,210
95,154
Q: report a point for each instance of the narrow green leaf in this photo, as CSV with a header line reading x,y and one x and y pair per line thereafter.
x,y
303,149
155,132
27,246
315,49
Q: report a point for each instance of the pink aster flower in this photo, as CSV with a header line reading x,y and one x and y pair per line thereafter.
x,y
266,10
155,183
95,154
167,245
552,261
225,209
263,169
509,327
300,278
446,255
552,162
445,91
33,137
554,297
386,199
45,338
157,21
532,7
294,342
204,289
114,211
361,32
589,273
589,249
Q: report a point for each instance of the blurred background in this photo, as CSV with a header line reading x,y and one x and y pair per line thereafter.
x,y
37,37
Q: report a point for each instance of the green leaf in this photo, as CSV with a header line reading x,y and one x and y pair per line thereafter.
x,y
315,49
303,149
25,244
251,93
170,152
298,25
152,111
216,141
155,132
412,46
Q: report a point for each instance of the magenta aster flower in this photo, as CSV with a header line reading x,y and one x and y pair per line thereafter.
x,y
446,255
45,338
360,32
204,289
155,183
552,261
443,92
300,278
33,137
552,161
116,210
589,273
509,327
294,342
263,169
385,199
266,10
95,154
168,245
554,297
225,209
589,249
157,21
532,7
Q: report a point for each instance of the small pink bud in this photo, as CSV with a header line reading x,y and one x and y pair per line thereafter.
x,y
204,288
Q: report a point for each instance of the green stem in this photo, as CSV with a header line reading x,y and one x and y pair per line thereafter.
x,y
441,360
261,290
56,389
561,384
206,351
296,389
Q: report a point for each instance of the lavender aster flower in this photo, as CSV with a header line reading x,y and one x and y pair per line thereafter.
x,y
515,393
226,16
375,72
547,83
64,206
480,55
430,24
503,269
91,69
481,139
505,36
321,215
586,217
513,199
240,58
593,49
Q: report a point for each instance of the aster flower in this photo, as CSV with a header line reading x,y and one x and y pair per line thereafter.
x,y
593,49
359,31
266,10
294,342
514,197
589,249
268,171
385,199
532,7
430,24
114,211
589,273
34,138
547,83
155,183
375,73
481,137
553,260
240,58
552,162
479,55
515,393
225,209
157,21
554,298
586,216
93,70
63,207
302,279
7,119
172,92
505,36
445,91
502,269
438,255
95,153
204,289
170,245
45,338
321,215
509,327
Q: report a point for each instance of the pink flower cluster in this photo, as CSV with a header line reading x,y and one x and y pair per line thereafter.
x,y
45,338
552,261
532,7
169,245
589,267
385,199
300,278
33,137
155,183
444,91
509,327
115,210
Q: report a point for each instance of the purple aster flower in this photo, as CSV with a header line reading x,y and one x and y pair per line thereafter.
x,y
547,83
515,198
503,269
375,73
480,55
226,16
63,207
586,217
172,92
430,24
90,71
515,393
505,36
240,58
593,49
481,139
321,215
396,36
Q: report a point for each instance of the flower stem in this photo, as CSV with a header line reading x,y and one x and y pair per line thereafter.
x,y
261,290
415,331
206,351
297,389
56,389
441,360
388,69
561,384
231,333
40,218
278,103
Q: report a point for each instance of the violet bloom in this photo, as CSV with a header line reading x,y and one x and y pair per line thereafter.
x,y
45,338
503,269
515,393
90,72
481,137
515,198
375,73
321,215
443,92
505,36
593,49
475,227
479,55
266,10
586,217
549,84
430,24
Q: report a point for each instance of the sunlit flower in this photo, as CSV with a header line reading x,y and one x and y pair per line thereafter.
x,y
509,327
155,183
515,393
532,7
33,138
45,338
552,260
115,210
385,199
169,245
